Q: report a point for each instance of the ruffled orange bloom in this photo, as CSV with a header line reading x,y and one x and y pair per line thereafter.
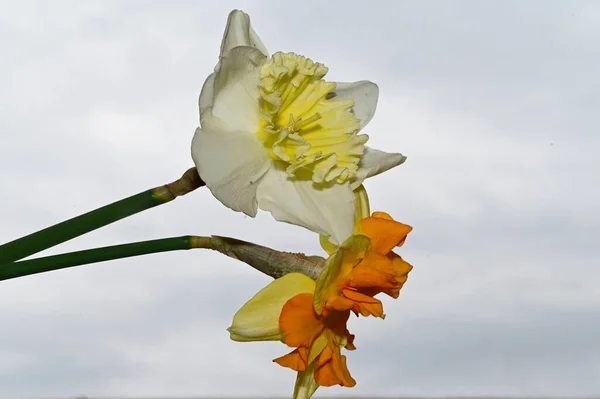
x,y
311,316
315,324
385,270
361,276
316,338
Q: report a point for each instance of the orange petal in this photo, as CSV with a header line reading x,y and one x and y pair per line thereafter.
x,y
371,291
400,266
325,376
325,356
368,277
350,345
337,267
335,322
385,233
375,270
382,215
364,304
339,303
400,270
347,380
295,360
299,322
393,292
334,372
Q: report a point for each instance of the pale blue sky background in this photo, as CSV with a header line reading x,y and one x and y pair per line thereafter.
x,y
494,103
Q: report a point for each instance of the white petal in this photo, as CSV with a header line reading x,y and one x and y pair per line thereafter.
x,y
231,94
363,210
231,164
328,210
305,383
374,162
207,94
239,32
364,94
258,319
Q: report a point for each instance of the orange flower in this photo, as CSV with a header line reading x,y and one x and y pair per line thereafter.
x,y
312,317
362,274
284,311
315,325
385,234
316,338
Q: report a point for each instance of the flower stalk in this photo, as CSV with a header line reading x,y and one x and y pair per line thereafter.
x,y
77,226
266,260
95,255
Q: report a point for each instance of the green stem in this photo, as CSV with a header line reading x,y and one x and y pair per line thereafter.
x,y
266,260
55,262
65,231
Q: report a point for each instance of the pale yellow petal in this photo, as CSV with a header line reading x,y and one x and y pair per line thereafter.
x,y
317,346
258,319
326,282
363,210
327,245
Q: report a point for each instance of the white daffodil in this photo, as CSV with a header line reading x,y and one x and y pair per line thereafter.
x,y
275,135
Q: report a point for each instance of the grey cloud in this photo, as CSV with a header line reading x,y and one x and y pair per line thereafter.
x,y
514,355
494,104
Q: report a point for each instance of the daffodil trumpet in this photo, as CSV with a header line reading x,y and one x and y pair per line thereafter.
x,y
275,135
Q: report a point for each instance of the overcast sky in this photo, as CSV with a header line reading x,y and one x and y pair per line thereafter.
x,y
494,103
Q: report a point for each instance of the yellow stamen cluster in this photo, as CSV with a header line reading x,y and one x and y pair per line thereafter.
x,y
316,136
